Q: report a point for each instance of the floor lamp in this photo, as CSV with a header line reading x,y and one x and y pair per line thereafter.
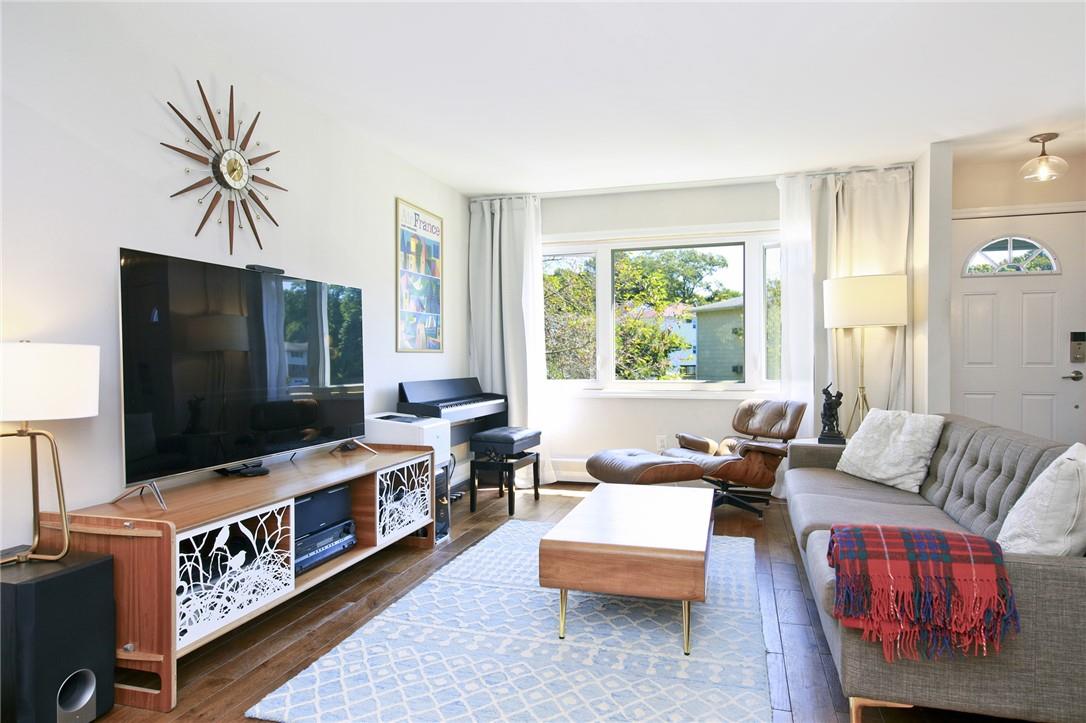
x,y
857,302
46,381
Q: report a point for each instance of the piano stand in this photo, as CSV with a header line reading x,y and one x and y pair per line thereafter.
x,y
506,467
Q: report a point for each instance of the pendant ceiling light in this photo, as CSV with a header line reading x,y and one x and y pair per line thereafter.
x,y
1044,167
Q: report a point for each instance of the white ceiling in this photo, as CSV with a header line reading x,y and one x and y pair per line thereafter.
x,y
516,97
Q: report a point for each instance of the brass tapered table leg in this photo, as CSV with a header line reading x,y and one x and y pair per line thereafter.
x,y
563,597
686,627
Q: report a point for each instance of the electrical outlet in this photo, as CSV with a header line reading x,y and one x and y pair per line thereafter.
x,y
661,442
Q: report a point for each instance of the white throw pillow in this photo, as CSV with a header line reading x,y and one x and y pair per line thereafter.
x,y
892,448
1050,516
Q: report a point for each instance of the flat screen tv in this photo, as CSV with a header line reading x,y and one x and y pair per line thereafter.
x,y
222,366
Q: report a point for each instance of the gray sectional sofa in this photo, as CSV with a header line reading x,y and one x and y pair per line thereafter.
x,y
977,473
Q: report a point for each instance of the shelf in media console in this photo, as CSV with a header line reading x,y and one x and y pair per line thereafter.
x,y
214,497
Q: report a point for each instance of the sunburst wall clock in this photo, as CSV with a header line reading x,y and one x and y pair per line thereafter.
x,y
231,171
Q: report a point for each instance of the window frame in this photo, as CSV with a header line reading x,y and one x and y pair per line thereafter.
x,y
1057,268
755,238
766,246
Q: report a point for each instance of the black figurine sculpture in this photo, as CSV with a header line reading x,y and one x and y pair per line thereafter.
x,y
831,432
196,411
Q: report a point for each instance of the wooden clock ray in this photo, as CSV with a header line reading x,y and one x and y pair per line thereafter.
x,y
230,169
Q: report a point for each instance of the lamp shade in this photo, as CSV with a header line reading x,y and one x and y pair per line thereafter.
x,y
1043,168
851,301
48,381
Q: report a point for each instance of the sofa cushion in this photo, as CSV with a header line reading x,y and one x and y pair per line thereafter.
x,y
820,512
1050,516
819,481
892,447
948,454
995,468
820,575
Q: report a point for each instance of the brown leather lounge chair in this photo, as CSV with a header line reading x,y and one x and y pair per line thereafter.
x,y
743,468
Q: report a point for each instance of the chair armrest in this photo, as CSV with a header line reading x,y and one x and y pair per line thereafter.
x,y
813,455
779,449
696,443
753,470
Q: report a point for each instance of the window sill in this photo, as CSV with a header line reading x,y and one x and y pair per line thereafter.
x,y
678,393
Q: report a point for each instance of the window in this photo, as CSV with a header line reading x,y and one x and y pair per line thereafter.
x,y
771,266
1010,255
569,315
679,310
637,316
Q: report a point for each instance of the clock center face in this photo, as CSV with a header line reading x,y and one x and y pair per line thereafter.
x,y
234,169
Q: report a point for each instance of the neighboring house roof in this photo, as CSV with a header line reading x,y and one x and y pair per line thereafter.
x,y
735,302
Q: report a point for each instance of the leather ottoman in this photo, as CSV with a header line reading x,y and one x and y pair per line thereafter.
x,y
639,467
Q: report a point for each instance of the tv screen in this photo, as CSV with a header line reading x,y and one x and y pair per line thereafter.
x,y
224,365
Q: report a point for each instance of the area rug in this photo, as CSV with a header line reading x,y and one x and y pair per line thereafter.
x,y
477,641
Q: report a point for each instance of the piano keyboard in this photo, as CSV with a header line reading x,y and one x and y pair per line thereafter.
x,y
457,400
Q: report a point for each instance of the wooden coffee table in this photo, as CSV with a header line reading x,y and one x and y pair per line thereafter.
x,y
631,540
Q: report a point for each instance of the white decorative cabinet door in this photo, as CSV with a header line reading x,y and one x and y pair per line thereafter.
x,y
403,499
231,567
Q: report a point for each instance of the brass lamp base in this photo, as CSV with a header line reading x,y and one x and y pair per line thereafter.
x,y
31,554
860,407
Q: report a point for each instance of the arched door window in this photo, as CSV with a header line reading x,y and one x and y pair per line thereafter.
x,y
1010,255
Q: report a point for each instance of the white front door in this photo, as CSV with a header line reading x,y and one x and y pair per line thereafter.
x,y
1011,333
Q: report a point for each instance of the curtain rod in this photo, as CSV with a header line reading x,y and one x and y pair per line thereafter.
x,y
857,169
683,185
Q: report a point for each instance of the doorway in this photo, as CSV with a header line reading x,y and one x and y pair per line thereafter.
x,y
1018,293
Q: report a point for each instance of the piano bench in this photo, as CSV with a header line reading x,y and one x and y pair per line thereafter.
x,y
504,450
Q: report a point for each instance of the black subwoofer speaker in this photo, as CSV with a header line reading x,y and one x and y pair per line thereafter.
x,y
58,639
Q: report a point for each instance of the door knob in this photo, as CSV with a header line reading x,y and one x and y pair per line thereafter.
x,y
1074,376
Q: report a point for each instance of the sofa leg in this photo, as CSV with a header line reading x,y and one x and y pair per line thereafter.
x,y
856,707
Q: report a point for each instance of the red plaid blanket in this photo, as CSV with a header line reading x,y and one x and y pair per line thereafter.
x,y
920,590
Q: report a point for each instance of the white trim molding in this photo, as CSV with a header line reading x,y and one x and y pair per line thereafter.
x,y
659,235
1033,209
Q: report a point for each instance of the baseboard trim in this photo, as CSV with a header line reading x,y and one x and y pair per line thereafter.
x,y
571,469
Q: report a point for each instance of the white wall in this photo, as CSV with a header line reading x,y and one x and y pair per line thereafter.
x,y
84,91
983,182
577,423
930,330
660,209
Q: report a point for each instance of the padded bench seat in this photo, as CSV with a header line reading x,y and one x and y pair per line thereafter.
x,y
504,441
636,466
504,450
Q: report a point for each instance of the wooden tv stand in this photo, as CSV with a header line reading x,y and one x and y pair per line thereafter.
x,y
223,552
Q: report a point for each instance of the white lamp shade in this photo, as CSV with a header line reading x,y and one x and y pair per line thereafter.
x,y
48,381
851,301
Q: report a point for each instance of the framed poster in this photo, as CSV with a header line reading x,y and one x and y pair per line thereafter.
x,y
419,236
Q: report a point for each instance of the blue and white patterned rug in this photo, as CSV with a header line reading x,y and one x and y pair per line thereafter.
x,y
478,640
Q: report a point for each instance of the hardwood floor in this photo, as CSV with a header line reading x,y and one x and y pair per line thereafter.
x,y
220,681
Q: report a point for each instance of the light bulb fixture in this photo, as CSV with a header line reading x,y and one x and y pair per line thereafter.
x,y
1044,167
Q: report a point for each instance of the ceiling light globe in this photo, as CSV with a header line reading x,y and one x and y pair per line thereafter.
x,y
1043,168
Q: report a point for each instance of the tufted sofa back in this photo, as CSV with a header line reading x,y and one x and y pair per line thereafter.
x,y
979,471
772,418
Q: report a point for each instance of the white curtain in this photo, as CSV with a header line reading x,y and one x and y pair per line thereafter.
x,y
871,236
505,308
840,224
797,296
275,355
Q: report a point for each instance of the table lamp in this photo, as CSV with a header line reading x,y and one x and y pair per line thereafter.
x,y
851,302
41,382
